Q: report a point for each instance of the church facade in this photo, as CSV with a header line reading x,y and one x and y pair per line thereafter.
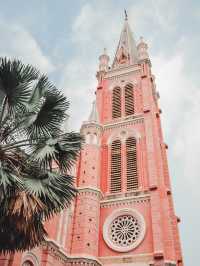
x,y
123,214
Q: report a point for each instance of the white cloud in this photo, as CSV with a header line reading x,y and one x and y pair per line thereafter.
x,y
17,42
180,100
96,27
78,82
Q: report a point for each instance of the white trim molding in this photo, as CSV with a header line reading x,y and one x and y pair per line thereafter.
x,y
30,256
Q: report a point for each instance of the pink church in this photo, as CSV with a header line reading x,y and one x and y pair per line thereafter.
x,y
123,214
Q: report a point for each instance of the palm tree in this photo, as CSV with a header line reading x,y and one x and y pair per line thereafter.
x,y
35,155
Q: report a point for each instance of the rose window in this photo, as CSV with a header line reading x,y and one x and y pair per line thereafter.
x,y
124,230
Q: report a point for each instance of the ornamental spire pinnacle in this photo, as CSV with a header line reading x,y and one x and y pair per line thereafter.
x,y
94,114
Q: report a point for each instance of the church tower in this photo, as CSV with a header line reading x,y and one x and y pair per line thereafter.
x,y
123,214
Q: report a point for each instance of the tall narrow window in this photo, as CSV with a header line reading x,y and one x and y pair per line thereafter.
x,y
132,175
116,103
115,185
129,100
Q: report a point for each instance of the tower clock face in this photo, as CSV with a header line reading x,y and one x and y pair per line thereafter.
x,y
124,230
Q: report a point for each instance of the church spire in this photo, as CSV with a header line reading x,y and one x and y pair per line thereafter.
x,y
126,53
94,114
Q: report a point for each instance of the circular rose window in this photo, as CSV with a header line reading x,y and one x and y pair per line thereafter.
x,y
124,230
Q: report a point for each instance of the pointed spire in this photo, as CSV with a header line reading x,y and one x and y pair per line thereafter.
x,y
126,53
94,114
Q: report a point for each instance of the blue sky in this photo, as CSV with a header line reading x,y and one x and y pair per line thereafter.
x,y
64,39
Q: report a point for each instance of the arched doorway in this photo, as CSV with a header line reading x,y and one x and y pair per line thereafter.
x,y
27,263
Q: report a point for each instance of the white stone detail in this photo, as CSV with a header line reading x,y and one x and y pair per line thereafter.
x,y
124,230
123,135
29,259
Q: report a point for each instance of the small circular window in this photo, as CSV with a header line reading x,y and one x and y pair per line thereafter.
x,y
124,230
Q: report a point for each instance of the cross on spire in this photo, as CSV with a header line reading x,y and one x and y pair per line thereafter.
x,y
126,15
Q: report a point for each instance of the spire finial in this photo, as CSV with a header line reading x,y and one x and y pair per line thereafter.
x,y
141,39
126,15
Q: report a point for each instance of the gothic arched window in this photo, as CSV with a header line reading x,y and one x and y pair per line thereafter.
x,y
115,184
131,169
116,103
129,100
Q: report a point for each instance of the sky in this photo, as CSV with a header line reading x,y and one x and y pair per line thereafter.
x,y
64,40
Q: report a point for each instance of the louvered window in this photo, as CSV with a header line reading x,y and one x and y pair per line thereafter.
x,y
132,175
116,103
115,185
129,100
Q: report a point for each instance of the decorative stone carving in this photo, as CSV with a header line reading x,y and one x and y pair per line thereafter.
x,y
124,230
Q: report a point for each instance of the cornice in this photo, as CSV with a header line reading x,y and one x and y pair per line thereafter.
x,y
121,71
130,120
145,258
90,189
84,259
53,248
124,200
87,124
135,119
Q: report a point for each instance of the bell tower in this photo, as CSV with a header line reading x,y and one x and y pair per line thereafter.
x,y
136,222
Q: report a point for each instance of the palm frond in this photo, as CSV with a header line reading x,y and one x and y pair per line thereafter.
x,y
9,180
15,81
55,191
62,151
19,235
68,149
42,86
47,121
35,155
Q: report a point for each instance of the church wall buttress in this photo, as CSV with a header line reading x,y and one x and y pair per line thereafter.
x,y
160,187
152,169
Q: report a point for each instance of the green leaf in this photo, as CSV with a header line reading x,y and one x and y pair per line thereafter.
x,y
48,120
15,81
62,151
54,190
